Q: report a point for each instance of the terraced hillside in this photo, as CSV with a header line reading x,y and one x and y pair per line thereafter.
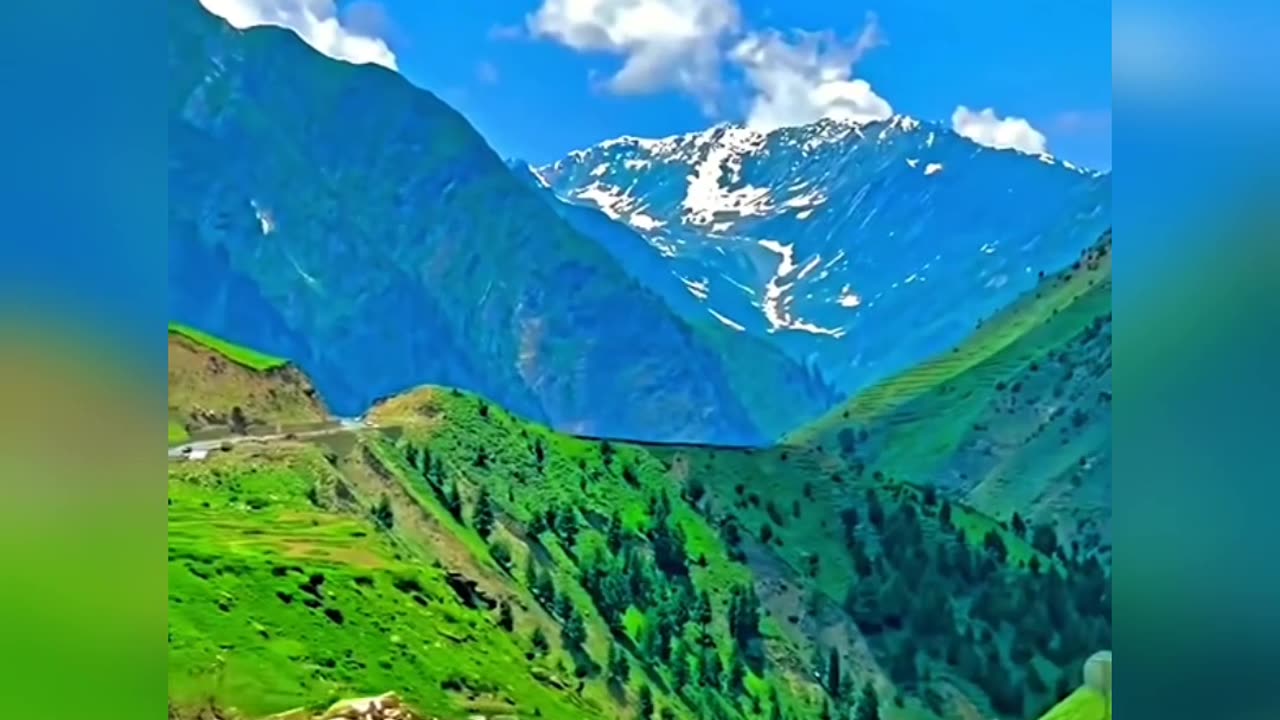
x,y
476,563
218,386
1015,419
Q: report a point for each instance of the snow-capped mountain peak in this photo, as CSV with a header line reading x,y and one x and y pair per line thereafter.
x,y
818,235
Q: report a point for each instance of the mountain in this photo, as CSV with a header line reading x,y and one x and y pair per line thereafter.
x,y
1016,419
338,216
216,386
861,249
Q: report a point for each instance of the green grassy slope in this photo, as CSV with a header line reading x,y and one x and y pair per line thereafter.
x,y
284,592
648,554
219,387
247,357
251,531
1083,704
1017,418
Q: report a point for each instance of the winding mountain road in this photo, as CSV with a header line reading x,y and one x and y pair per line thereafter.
x,y
343,425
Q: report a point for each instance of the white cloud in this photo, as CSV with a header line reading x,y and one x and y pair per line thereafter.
x,y
487,72
315,21
986,128
664,43
799,83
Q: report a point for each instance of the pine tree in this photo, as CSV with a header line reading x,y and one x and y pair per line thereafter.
x,y
995,546
619,667
539,640
574,632
383,514
563,606
501,554
566,527
544,589
868,704
712,668
849,522
1044,539
645,702
833,673
1018,525
530,571
614,533
482,516
875,511
453,501
737,673
702,612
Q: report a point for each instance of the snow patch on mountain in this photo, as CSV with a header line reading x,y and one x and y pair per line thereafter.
x,y
611,201
808,268
264,218
848,298
744,288
776,300
787,252
665,249
808,200
696,288
643,222
707,198
726,320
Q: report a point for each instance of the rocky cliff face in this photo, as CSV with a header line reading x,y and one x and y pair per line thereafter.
x,y
336,215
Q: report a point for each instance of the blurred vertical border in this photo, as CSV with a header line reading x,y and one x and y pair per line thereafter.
x,y
82,310
1197,359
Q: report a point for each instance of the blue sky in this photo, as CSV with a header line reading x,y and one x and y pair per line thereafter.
x,y
541,77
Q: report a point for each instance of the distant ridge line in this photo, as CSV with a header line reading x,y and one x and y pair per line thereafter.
x,y
668,443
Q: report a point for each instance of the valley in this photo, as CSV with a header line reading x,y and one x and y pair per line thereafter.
x,y
802,423
476,563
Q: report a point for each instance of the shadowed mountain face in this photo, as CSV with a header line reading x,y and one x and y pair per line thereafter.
x,y
859,249
336,215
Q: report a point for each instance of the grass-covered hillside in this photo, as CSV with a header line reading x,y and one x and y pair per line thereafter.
x,y
1017,419
476,563
1083,704
217,386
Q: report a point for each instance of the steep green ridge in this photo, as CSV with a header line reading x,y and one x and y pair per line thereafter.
x,y
219,387
338,216
426,529
1017,418
247,357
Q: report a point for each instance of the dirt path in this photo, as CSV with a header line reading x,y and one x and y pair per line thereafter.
x,y
209,444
